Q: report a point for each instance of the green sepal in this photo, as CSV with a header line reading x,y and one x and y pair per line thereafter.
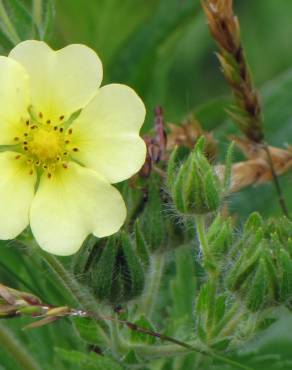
x,y
205,308
285,263
220,237
257,287
82,259
200,145
133,273
152,221
253,222
103,269
177,157
244,266
179,188
271,266
141,246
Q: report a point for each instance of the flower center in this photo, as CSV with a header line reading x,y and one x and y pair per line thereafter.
x,y
45,145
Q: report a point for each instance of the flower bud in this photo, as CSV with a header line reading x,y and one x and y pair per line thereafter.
x,y
262,269
116,274
196,188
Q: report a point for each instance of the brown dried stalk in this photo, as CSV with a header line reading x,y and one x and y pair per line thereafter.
x,y
225,29
247,113
256,170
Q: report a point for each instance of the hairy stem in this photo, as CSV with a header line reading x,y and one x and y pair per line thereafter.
x,y
17,352
210,265
153,284
78,293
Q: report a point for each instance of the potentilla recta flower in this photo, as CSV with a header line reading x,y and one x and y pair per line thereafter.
x,y
64,140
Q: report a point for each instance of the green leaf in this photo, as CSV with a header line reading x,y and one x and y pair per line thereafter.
x,y
48,17
89,361
89,330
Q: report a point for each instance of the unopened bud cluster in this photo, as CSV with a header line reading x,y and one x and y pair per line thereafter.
x,y
261,271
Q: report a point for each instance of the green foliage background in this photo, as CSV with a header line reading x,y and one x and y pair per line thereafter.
x,y
162,48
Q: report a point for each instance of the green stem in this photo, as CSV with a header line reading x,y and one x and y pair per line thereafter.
x,y
17,352
78,292
8,28
153,284
210,265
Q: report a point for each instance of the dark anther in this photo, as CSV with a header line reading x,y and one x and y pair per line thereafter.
x,y
40,115
61,118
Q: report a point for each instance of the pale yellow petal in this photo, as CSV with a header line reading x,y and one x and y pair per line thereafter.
x,y
16,194
72,204
107,133
14,99
62,81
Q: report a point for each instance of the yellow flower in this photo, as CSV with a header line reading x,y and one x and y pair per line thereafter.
x,y
57,167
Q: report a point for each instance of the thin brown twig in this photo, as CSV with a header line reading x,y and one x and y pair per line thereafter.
x,y
16,303
276,181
